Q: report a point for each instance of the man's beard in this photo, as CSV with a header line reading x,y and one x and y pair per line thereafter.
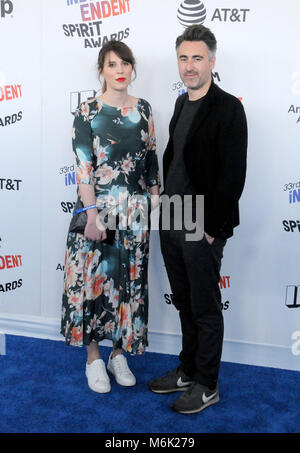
x,y
200,83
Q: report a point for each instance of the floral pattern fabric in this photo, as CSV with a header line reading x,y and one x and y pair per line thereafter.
x,y
105,285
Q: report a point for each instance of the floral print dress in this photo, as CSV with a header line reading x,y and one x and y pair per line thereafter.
x,y
105,284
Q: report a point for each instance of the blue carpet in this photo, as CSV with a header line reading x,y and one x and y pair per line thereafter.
x,y
43,389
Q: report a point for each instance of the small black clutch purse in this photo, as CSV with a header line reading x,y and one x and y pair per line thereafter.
x,y
79,220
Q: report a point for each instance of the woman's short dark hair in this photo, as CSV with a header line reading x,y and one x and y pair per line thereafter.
x,y
120,49
199,33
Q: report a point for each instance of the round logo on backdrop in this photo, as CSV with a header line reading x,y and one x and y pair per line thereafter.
x,y
191,12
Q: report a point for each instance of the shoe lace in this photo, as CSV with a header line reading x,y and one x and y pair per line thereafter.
x,y
190,389
98,371
120,364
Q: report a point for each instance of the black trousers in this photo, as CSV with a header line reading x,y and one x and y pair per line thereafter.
x,y
193,270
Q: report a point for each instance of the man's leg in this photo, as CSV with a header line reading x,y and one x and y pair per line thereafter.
x,y
172,243
203,263
180,378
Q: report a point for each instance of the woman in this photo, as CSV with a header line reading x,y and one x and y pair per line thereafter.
x,y
106,293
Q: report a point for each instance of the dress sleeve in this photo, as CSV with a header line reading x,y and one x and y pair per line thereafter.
x,y
82,141
151,174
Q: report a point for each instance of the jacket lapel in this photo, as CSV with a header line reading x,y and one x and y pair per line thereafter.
x,y
176,114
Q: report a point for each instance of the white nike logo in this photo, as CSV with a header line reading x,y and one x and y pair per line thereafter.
x,y
205,399
183,384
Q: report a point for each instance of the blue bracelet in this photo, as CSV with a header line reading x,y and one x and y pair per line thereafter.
x,y
84,209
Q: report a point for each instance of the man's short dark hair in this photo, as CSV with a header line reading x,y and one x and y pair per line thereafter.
x,y
199,33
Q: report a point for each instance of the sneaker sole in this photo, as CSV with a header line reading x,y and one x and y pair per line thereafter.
x,y
108,389
98,391
204,406
178,389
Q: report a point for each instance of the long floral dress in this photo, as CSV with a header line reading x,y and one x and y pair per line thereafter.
x,y
105,285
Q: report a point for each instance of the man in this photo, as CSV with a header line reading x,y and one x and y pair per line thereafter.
x,y
205,155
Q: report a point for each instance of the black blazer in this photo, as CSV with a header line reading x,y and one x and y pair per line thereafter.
x,y
215,157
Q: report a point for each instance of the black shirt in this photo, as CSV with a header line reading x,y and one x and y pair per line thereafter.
x,y
177,181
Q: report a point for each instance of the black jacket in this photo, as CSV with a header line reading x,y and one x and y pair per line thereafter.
x,y
215,157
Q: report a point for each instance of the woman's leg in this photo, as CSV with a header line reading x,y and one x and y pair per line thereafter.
x,y
92,352
116,352
117,365
95,371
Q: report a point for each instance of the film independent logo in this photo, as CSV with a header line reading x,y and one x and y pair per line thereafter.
x,y
191,12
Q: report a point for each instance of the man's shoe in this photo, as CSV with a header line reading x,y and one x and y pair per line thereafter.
x,y
97,377
119,368
195,399
174,381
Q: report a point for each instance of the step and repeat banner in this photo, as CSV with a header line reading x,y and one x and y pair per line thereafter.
x,y
48,65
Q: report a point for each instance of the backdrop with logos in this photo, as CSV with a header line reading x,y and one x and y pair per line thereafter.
x,y
49,64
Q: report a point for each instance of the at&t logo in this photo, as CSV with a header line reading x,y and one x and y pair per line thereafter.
x,y
10,184
191,12
232,15
6,7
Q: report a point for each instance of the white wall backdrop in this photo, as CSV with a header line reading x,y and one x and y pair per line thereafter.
x,y
48,62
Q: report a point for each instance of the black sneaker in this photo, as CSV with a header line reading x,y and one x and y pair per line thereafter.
x,y
195,399
174,381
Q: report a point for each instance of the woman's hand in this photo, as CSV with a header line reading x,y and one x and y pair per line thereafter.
x,y
94,229
154,201
154,194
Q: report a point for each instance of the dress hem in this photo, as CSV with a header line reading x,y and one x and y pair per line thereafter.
x,y
82,344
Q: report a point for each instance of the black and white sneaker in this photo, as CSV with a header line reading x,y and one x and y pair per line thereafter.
x,y
195,399
174,381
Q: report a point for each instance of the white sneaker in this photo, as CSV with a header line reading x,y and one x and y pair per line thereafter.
x,y
119,368
97,376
